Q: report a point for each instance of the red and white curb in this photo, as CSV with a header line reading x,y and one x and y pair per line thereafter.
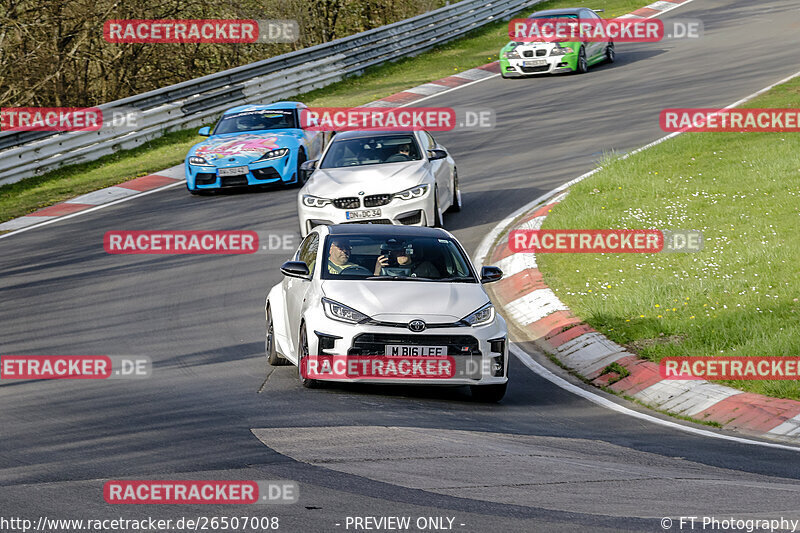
x,y
536,310
92,200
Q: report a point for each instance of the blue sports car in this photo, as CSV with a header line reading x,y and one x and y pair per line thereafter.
x,y
252,145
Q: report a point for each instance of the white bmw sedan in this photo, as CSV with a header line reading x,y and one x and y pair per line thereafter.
x,y
400,178
390,304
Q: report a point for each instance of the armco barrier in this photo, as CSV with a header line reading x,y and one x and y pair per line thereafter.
x,y
191,103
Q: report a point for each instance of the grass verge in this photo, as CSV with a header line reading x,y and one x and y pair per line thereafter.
x,y
741,294
477,48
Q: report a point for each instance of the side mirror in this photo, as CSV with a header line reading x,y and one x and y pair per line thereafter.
x,y
433,155
295,269
205,131
490,274
306,169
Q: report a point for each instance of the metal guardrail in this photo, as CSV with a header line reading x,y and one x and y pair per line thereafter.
x,y
194,102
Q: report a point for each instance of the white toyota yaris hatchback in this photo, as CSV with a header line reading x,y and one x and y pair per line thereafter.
x,y
391,304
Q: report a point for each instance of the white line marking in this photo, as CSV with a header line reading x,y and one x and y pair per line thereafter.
x,y
608,404
91,209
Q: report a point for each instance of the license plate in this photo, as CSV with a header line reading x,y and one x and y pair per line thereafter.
x,y
366,213
232,171
403,350
534,63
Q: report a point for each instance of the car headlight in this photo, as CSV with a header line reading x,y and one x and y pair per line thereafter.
x,y
511,54
196,160
560,51
342,313
414,192
274,154
482,316
314,201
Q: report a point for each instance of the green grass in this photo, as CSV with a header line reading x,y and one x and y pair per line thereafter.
x,y
741,294
477,48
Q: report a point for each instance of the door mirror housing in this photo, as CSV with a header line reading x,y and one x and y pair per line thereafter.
x,y
295,269
307,168
205,131
435,154
490,274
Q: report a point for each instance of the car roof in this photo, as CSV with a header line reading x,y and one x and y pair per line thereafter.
x,y
553,12
384,230
275,105
357,134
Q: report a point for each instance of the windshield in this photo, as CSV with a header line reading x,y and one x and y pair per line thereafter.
x,y
262,119
567,16
371,151
382,258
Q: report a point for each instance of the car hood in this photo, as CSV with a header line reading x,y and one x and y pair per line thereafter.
x,y
232,149
369,179
402,301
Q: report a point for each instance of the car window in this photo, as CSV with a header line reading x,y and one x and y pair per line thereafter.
x,y
371,151
432,259
307,253
256,120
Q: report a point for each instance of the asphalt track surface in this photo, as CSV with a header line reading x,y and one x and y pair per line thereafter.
x,y
542,460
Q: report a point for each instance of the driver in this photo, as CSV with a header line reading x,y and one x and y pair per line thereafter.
x,y
339,259
397,260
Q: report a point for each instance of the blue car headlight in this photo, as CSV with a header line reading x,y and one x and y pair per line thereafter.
x,y
484,315
273,154
196,160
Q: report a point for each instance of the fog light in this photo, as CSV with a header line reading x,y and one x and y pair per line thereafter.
x,y
498,365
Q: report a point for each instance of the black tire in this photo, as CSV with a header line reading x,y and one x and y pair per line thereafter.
x,y
455,207
301,158
302,353
488,393
438,219
611,55
273,357
583,65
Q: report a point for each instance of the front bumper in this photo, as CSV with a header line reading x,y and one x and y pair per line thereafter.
x,y
480,354
281,170
414,212
553,65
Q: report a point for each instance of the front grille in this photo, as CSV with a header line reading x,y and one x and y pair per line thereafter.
x,y
233,181
528,70
347,203
527,53
375,343
540,53
377,200
369,221
268,173
205,178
